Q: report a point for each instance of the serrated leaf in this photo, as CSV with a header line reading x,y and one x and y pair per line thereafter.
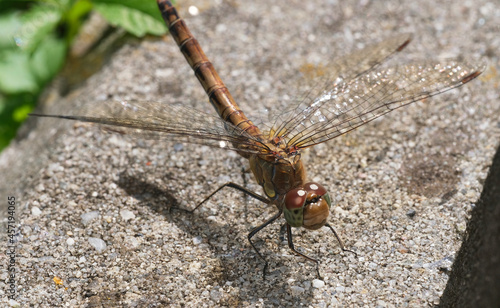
x,y
133,20
48,58
16,76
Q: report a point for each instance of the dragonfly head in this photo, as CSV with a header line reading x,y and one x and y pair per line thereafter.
x,y
307,206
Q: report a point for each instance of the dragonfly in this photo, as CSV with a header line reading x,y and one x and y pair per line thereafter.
x,y
357,91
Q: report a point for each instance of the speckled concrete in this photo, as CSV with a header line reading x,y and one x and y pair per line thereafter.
x,y
94,206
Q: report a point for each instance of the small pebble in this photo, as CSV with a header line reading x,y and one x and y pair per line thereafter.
x,y
178,147
197,240
296,290
40,188
132,242
97,243
215,295
318,283
411,213
70,241
88,217
35,211
127,215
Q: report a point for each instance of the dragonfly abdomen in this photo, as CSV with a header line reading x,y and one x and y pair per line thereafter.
x,y
219,95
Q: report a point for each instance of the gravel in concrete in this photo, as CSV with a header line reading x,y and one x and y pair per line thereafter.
x,y
94,206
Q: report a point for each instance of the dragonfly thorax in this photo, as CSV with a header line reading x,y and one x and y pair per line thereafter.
x,y
277,174
307,206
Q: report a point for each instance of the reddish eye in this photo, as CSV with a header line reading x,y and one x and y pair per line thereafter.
x,y
315,188
295,198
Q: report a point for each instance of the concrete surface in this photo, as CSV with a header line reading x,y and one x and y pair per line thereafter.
x,y
94,207
475,277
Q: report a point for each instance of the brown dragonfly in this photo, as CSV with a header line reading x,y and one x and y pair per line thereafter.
x,y
356,94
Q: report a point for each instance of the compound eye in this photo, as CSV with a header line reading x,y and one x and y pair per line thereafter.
x,y
315,188
295,198
317,206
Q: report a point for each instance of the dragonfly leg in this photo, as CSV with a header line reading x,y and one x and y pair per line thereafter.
x,y
235,186
341,243
292,248
257,229
282,232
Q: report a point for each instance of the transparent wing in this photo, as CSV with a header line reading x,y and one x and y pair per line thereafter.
x,y
349,104
355,94
361,61
154,120
325,75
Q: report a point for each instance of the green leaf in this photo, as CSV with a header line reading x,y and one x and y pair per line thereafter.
x,y
74,17
10,23
12,109
48,58
148,7
134,16
38,22
9,5
63,5
16,76
21,113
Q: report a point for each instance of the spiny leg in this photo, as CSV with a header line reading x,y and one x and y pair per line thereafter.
x,y
341,243
292,248
231,185
257,229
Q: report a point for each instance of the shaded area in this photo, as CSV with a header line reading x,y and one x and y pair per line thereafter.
x,y
157,198
475,276
429,175
239,255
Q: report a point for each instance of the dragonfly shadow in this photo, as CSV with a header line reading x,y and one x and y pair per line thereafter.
x,y
231,253
237,258
153,196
